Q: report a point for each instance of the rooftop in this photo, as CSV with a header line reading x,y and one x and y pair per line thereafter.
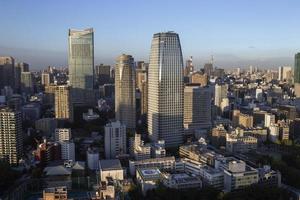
x,y
113,164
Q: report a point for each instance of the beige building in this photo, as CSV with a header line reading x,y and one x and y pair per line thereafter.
x,y
63,103
245,120
11,136
199,78
197,107
125,102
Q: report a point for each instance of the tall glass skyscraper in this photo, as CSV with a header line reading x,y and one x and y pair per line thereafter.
x,y
165,89
81,64
297,68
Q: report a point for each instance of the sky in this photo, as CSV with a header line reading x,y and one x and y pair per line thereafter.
x,y
238,33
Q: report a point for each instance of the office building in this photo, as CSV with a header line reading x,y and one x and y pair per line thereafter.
x,y
142,85
81,64
125,102
197,107
102,73
165,89
11,136
220,96
164,164
237,175
27,83
7,72
115,139
63,103
181,181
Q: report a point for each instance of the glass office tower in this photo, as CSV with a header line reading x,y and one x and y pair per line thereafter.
x,y
165,89
81,63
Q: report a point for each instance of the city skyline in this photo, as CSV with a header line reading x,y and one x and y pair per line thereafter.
x,y
251,33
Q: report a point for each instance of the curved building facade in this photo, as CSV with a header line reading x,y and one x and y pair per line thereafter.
x,y
125,91
165,89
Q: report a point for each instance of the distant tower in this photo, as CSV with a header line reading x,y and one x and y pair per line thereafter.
x,y
189,68
297,75
165,89
81,63
125,91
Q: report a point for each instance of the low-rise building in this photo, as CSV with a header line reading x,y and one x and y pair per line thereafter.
x,y
181,181
164,164
147,178
111,168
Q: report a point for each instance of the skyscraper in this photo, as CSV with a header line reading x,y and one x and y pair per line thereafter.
x,y
297,68
7,74
125,91
81,63
63,103
11,139
297,75
102,74
165,89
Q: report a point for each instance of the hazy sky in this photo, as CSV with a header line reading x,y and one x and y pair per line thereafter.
x,y
237,32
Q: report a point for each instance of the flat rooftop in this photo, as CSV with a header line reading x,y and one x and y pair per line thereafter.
x,y
113,164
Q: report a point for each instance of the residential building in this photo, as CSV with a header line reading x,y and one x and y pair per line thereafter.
x,y
115,139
